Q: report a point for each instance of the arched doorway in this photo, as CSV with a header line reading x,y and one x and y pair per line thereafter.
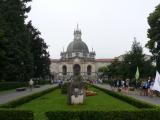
x,y
89,70
64,70
76,69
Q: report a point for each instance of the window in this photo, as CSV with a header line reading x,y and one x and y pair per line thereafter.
x,y
89,70
64,70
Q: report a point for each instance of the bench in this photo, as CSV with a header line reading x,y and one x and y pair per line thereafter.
x,y
37,86
21,89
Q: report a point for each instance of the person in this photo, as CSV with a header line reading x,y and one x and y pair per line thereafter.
x,y
122,84
150,90
143,86
31,84
146,85
126,85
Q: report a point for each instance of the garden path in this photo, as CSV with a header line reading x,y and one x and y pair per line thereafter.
x,y
135,94
13,94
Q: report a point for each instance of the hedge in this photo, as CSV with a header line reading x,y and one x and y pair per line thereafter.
x,y
64,88
16,115
132,101
26,99
11,85
145,114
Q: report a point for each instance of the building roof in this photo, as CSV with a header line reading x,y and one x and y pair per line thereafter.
x,y
77,46
105,60
54,60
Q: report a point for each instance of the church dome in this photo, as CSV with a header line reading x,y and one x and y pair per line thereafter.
x,y
77,46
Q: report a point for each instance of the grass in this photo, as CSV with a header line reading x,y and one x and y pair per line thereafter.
x,y
55,101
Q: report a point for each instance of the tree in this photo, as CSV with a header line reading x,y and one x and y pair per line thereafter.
x,y
154,35
103,71
39,48
115,68
23,53
19,61
133,58
3,47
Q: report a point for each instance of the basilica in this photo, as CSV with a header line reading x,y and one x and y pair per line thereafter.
x,y
77,59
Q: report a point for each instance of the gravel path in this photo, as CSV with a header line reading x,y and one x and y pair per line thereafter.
x,y
136,95
13,94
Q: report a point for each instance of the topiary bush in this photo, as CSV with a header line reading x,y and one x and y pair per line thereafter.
x,y
16,115
145,114
12,85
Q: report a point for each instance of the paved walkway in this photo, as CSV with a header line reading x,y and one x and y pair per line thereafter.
x,y
13,94
136,95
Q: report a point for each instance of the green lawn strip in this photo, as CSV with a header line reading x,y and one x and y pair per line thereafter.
x,y
55,101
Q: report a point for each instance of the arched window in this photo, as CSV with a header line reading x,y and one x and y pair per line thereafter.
x,y
64,70
89,70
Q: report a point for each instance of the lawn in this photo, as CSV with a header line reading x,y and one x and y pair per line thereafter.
x,y
56,101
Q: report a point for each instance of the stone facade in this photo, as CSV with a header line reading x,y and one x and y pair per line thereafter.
x,y
77,58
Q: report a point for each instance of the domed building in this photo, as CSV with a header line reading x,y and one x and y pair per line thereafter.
x,y
77,60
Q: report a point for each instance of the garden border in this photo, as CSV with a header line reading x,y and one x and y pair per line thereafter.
x,y
16,115
145,114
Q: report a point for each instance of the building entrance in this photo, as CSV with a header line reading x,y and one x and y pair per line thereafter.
x,y
76,69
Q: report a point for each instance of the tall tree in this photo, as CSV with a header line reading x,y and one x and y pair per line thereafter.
x,y
154,35
127,67
3,48
19,59
40,54
134,58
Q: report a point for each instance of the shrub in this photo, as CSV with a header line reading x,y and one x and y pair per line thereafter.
x,y
25,99
11,85
64,88
145,114
42,82
16,115
132,101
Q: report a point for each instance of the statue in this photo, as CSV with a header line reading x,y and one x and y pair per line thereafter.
x,y
76,93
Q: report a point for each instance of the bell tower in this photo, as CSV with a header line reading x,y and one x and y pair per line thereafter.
x,y
77,33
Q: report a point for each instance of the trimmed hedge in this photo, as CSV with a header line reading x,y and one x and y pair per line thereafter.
x,y
16,115
145,114
11,85
132,101
26,99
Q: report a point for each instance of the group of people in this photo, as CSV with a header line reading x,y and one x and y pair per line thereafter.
x,y
147,87
118,83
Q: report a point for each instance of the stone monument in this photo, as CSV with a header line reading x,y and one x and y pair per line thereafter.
x,y
76,92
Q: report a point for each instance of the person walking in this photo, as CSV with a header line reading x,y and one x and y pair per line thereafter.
x,y
31,84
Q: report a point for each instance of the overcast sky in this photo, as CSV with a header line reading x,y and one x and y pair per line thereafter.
x,y
108,26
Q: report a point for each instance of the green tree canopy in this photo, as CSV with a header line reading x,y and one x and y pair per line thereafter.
x,y
23,53
154,35
133,58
